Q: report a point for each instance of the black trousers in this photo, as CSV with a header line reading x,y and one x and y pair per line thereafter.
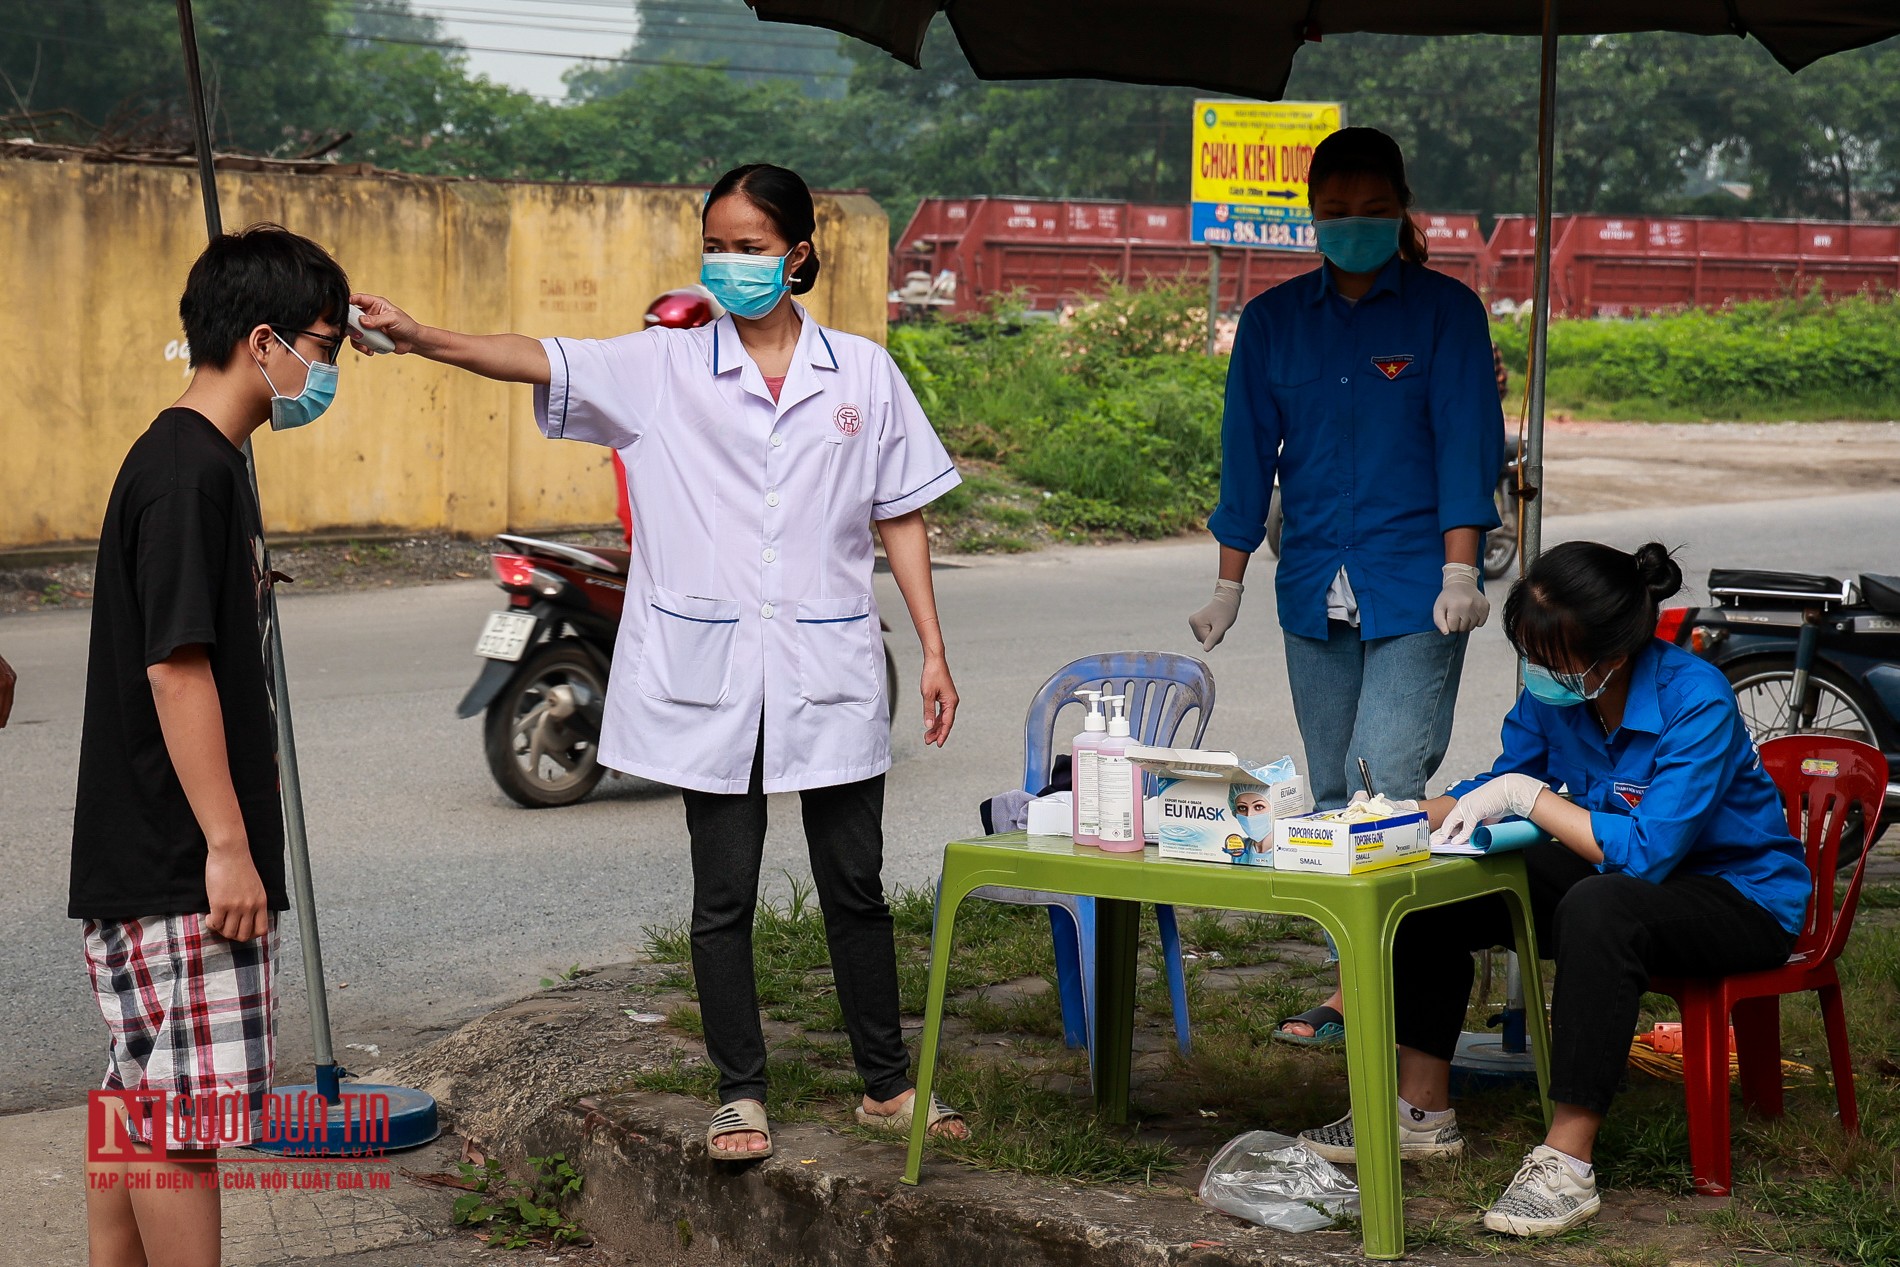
x,y
1608,934
844,831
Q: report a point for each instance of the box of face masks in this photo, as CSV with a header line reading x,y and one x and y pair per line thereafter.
x,y
1213,807
1365,837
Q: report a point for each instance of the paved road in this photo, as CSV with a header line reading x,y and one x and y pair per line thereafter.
x,y
439,897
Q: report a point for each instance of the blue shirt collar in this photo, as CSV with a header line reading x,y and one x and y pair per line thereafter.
x,y
1391,279
1641,711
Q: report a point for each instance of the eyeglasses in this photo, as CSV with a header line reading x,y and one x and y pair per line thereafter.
x,y
331,343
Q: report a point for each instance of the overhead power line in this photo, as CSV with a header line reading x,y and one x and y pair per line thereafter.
x,y
453,46
469,16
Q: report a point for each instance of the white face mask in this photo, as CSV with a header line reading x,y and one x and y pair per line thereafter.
x,y
1258,825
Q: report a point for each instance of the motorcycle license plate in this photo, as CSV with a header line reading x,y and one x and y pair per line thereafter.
x,y
505,636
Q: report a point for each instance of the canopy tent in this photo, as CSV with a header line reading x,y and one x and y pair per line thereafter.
x,y
1247,47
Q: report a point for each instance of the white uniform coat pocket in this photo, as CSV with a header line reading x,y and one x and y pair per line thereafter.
x,y
688,648
837,650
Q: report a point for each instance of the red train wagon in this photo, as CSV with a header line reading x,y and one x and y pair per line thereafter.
x,y
1058,252
1616,266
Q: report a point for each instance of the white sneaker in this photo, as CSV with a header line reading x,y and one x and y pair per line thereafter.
x,y
1334,1140
1545,1198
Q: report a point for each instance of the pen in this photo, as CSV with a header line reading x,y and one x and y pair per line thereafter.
x,y
1365,775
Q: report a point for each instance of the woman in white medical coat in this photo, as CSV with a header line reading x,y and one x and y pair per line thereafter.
x,y
760,450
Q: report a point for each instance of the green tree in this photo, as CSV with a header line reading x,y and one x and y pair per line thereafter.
x,y
720,33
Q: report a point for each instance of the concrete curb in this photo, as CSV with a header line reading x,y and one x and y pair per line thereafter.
x,y
829,1200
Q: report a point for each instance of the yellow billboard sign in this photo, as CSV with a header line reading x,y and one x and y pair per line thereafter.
x,y
1249,171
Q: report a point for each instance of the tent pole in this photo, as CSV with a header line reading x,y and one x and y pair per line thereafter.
x,y
1531,478
297,842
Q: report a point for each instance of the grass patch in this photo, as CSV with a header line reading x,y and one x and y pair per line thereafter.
x,y
1029,1128
1111,422
1796,358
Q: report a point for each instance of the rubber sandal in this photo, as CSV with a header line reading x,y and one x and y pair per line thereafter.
x,y
899,1123
739,1115
1329,1028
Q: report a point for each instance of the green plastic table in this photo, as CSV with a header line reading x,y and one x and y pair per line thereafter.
x,y
1362,913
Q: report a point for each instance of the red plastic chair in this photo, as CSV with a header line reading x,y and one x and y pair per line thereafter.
x,y
1819,778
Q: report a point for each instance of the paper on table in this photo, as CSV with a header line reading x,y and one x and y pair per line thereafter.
x,y
1500,837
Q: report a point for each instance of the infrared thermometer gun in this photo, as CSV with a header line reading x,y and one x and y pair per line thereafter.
x,y
374,340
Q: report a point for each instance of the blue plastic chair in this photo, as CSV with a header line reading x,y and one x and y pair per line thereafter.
x,y
1162,689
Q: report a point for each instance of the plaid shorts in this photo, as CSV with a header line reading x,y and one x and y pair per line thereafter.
x,y
190,1013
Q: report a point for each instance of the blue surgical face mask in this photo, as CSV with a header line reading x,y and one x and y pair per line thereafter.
x,y
319,389
744,285
1561,690
1257,826
1358,244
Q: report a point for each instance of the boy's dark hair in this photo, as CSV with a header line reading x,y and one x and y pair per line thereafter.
x,y
264,275
1590,602
783,196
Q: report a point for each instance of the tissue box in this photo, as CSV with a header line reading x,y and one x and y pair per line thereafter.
x,y
1312,842
1052,815
1198,815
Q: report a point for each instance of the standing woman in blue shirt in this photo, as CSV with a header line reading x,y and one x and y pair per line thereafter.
x,y
1368,387
1672,858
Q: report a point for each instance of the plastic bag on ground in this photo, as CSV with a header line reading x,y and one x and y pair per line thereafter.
x,y
1276,1181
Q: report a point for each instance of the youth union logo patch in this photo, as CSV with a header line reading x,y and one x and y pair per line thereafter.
x,y
1391,366
848,419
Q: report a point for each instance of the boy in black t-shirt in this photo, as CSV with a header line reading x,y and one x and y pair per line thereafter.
x,y
178,842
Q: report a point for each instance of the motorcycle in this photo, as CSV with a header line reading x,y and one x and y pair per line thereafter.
x,y
1500,544
543,683
1805,655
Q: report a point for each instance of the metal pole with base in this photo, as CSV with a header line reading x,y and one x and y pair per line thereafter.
x,y
1213,299
410,1118
1491,1059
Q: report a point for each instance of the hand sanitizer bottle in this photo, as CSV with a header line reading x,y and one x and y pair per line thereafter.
x,y
1121,784
1085,774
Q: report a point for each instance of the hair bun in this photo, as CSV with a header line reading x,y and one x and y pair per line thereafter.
x,y
1660,574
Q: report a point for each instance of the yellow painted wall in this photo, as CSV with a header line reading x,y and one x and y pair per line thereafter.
x,y
93,258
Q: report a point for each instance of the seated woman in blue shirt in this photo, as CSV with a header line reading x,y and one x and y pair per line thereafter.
x,y
1672,858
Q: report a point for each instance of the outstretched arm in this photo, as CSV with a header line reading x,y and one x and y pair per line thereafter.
x,y
509,358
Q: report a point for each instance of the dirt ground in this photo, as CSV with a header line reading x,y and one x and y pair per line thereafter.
x,y
1628,465
1588,466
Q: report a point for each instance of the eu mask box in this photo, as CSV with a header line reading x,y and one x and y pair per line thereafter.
x,y
1312,842
1198,815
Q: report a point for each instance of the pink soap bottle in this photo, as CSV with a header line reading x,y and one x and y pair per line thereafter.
x,y
1120,796
1084,775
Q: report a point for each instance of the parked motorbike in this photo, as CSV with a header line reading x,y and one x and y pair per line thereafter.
x,y
1805,654
1500,544
543,683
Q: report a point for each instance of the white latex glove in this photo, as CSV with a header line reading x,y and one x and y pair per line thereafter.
x,y
1211,623
1410,807
1461,605
1501,797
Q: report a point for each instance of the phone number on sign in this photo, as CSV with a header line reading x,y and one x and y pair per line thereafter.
x,y
1255,233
